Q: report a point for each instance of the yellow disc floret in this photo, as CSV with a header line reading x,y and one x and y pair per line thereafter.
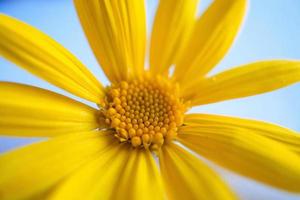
x,y
145,113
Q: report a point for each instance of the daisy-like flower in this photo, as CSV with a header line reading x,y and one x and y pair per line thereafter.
x,y
109,152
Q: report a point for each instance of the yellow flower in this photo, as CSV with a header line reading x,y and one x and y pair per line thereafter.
x,y
109,153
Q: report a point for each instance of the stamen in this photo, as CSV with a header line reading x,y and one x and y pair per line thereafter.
x,y
145,113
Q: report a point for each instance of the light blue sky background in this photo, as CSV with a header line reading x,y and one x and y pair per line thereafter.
x,y
271,30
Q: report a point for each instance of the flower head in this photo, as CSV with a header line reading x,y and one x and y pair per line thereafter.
x,y
109,152
145,112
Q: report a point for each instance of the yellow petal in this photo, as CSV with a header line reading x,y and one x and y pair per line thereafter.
x,y
116,33
34,169
285,136
42,56
186,177
31,111
98,179
247,80
251,155
120,172
172,27
213,35
140,178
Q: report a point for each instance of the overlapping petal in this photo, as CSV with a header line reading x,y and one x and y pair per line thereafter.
x,y
32,170
172,27
213,35
249,154
119,173
186,177
31,111
116,33
243,81
98,179
285,136
140,178
42,56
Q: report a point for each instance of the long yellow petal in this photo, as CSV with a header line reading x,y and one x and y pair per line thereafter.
x,y
98,179
251,155
31,111
140,178
42,56
186,177
172,27
213,35
34,169
285,136
247,80
119,173
116,33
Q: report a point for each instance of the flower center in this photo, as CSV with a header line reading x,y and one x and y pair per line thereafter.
x,y
145,113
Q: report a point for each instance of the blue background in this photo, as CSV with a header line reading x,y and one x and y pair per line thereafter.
x,y
271,30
